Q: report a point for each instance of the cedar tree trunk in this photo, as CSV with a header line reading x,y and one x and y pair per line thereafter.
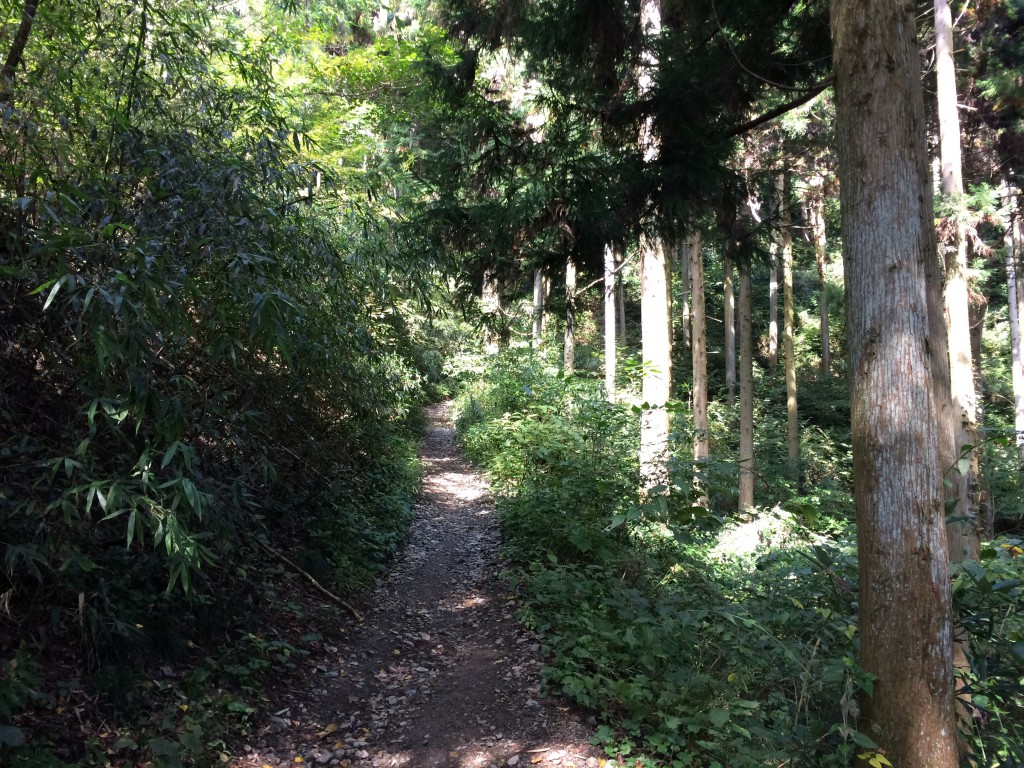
x,y
902,422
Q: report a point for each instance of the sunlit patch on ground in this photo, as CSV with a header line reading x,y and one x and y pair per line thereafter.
x,y
768,528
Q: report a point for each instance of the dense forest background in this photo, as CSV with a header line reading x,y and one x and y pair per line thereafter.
x,y
245,242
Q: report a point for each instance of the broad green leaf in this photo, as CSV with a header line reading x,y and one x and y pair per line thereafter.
x,y
718,717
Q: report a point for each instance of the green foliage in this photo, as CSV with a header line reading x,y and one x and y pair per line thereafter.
x,y
212,333
188,348
701,641
687,657
989,595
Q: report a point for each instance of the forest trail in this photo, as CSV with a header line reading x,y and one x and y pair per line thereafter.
x,y
439,674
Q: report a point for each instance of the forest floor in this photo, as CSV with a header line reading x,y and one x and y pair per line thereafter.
x,y
439,673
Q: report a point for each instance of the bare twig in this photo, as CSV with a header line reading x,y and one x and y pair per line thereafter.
x,y
320,587
615,271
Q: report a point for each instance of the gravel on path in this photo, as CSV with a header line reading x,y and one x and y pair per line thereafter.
x,y
439,674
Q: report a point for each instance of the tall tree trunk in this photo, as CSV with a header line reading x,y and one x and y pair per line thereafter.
x,y
569,350
816,209
983,492
687,291
964,538
699,349
902,422
620,301
609,323
657,374
746,462
773,307
1013,291
17,50
545,303
1018,249
964,533
654,299
789,333
538,308
729,323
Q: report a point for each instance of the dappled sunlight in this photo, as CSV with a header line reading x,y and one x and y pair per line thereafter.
x,y
774,528
473,601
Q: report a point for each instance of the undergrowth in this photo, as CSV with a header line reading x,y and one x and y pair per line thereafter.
x,y
700,640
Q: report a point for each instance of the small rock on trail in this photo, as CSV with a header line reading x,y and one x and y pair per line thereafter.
x,y
439,674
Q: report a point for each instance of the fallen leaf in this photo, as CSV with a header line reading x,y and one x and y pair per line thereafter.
x,y
328,730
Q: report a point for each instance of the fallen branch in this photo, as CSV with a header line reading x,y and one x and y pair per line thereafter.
x,y
322,589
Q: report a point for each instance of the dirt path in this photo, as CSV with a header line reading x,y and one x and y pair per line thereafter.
x,y
439,673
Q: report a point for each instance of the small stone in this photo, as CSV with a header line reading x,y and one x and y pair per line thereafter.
x,y
324,758
514,760
591,762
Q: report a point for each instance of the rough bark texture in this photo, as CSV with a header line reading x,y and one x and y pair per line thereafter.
x,y
963,535
746,458
609,323
657,376
789,335
569,349
729,321
899,391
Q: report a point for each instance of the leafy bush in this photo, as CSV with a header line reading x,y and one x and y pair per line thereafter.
x,y
685,656
697,639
